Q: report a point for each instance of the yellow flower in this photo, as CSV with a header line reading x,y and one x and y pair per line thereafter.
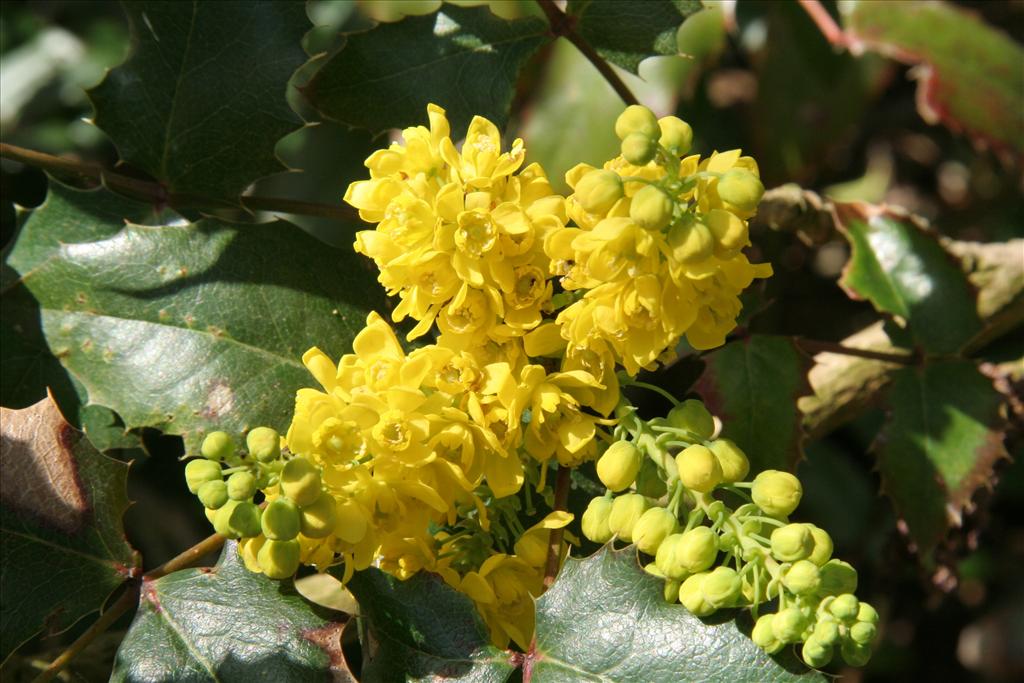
x,y
503,589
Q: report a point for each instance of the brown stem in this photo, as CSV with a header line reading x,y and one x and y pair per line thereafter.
x,y
155,193
814,347
564,25
555,539
188,558
824,21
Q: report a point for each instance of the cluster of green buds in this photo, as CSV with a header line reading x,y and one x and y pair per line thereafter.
x,y
713,555
226,479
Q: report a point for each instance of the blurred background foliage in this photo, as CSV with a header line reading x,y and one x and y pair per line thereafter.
x,y
756,75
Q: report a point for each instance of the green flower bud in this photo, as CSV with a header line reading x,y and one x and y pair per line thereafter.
x,y
222,520
242,518
218,446
667,561
281,519
653,527
692,552
692,416
671,590
822,546
855,654
845,607
211,515
802,578
826,631
721,587
763,634
626,512
637,119
730,233
651,208
213,494
699,469
279,559
691,595
198,472
791,542
638,149
691,242
867,614
598,191
741,188
241,486
300,481
676,135
777,493
648,480
715,509
789,624
618,466
837,577
863,633
732,459
264,444
318,518
816,653
595,520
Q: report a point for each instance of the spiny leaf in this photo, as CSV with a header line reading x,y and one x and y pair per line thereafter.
x,y
200,104
385,77
61,534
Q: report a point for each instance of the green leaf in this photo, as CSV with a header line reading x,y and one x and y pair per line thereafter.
x,y
187,327
61,534
424,630
903,270
626,32
228,624
753,385
943,436
604,619
970,74
200,103
463,59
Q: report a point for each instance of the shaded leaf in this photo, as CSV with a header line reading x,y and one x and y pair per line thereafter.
x,y
424,630
604,619
187,327
201,103
939,445
753,385
385,77
969,74
626,32
228,624
61,533
903,270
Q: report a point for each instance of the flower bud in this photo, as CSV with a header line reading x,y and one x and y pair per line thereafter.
x,y
248,549
667,562
730,233
244,519
264,444
698,468
638,149
837,577
721,587
815,653
671,591
618,466
691,595
595,520
222,520
676,135
653,527
826,631
691,242
863,633
317,519
822,546
777,493
279,559
763,634
687,553
802,578
789,624
198,472
217,446
648,480
598,191
637,119
241,486
855,654
300,481
213,494
211,515
651,208
692,416
845,607
626,511
732,459
867,614
791,542
281,519
740,188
